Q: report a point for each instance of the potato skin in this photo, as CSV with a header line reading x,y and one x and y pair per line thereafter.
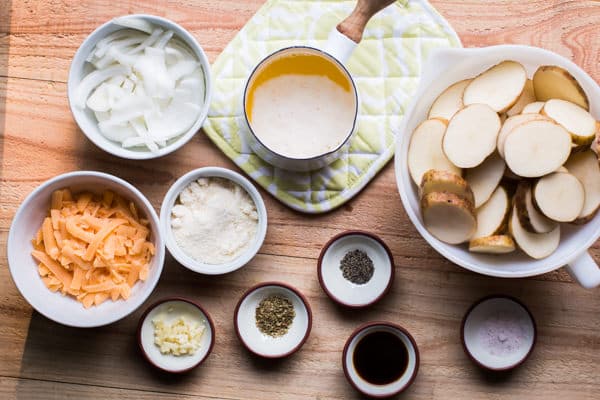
x,y
460,185
503,227
502,244
521,206
586,219
446,197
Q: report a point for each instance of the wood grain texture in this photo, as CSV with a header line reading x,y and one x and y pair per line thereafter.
x,y
39,139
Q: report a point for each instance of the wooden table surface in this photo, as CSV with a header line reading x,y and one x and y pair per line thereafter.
x,y
39,139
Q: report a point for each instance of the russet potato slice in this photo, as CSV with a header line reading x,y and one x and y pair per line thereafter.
x,y
449,101
535,245
497,244
500,87
448,217
559,196
425,150
471,135
554,82
537,148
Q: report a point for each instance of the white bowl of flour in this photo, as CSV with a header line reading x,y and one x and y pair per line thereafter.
x,y
214,220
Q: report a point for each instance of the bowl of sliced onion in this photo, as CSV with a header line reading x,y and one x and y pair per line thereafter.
x,y
139,86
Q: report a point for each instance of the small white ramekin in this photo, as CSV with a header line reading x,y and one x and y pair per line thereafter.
x,y
169,202
85,118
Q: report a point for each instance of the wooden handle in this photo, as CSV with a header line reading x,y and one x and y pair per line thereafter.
x,y
354,26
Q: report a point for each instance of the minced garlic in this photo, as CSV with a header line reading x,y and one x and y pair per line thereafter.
x,y
180,337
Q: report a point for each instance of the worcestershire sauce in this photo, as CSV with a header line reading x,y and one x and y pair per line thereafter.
x,y
380,358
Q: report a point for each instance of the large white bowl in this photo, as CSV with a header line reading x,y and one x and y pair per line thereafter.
x,y
23,268
180,255
447,66
86,119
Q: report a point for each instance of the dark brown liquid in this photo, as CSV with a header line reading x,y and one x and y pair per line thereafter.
x,y
380,358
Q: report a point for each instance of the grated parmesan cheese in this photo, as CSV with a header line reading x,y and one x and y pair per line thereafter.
x,y
180,337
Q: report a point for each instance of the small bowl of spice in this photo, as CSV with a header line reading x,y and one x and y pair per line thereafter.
x,y
356,269
214,220
380,359
273,320
498,333
176,335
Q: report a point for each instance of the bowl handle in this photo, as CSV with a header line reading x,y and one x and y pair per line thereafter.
x,y
343,39
585,271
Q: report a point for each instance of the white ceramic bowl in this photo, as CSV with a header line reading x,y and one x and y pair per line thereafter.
x,y
244,320
447,66
23,268
171,198
87,121
344,292
179,307
375,390
493,312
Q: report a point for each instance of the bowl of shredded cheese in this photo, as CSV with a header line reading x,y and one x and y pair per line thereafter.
x,y
85,249
176,335
139,86
214,220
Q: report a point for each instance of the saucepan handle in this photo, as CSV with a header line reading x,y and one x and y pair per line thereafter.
x,y
585,271
343,39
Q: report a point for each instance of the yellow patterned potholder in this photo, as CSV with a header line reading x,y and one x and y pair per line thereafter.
x,y
386,67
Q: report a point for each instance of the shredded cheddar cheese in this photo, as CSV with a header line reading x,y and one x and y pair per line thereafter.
x,y
92,247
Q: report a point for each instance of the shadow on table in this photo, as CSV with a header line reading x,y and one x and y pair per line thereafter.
x,y
5,11
105,357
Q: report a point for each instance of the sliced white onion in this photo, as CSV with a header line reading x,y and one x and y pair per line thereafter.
x,y
153,71
95,78
102,115
148,87
116,132
177,119
121,42
98,101
134,23
148,42
142,132
182,68
121,56
129,107
163,40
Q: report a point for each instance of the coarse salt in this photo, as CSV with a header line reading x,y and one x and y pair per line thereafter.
x,y
503,334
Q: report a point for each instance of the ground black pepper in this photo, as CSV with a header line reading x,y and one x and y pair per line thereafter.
x,y
357,267
274,315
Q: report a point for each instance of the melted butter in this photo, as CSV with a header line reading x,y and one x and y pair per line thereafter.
x,y
301,104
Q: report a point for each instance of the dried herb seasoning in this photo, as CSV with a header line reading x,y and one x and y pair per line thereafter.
x,y
274,315
357,267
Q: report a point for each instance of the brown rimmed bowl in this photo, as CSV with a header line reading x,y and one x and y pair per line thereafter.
x,y
501,308
391,389
341,290
264,345
174,307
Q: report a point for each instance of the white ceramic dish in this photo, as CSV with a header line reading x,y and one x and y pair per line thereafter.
x,y
387,390
171,198
490,307
87,121
23,268
171,309
339,288
263,345
447,66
